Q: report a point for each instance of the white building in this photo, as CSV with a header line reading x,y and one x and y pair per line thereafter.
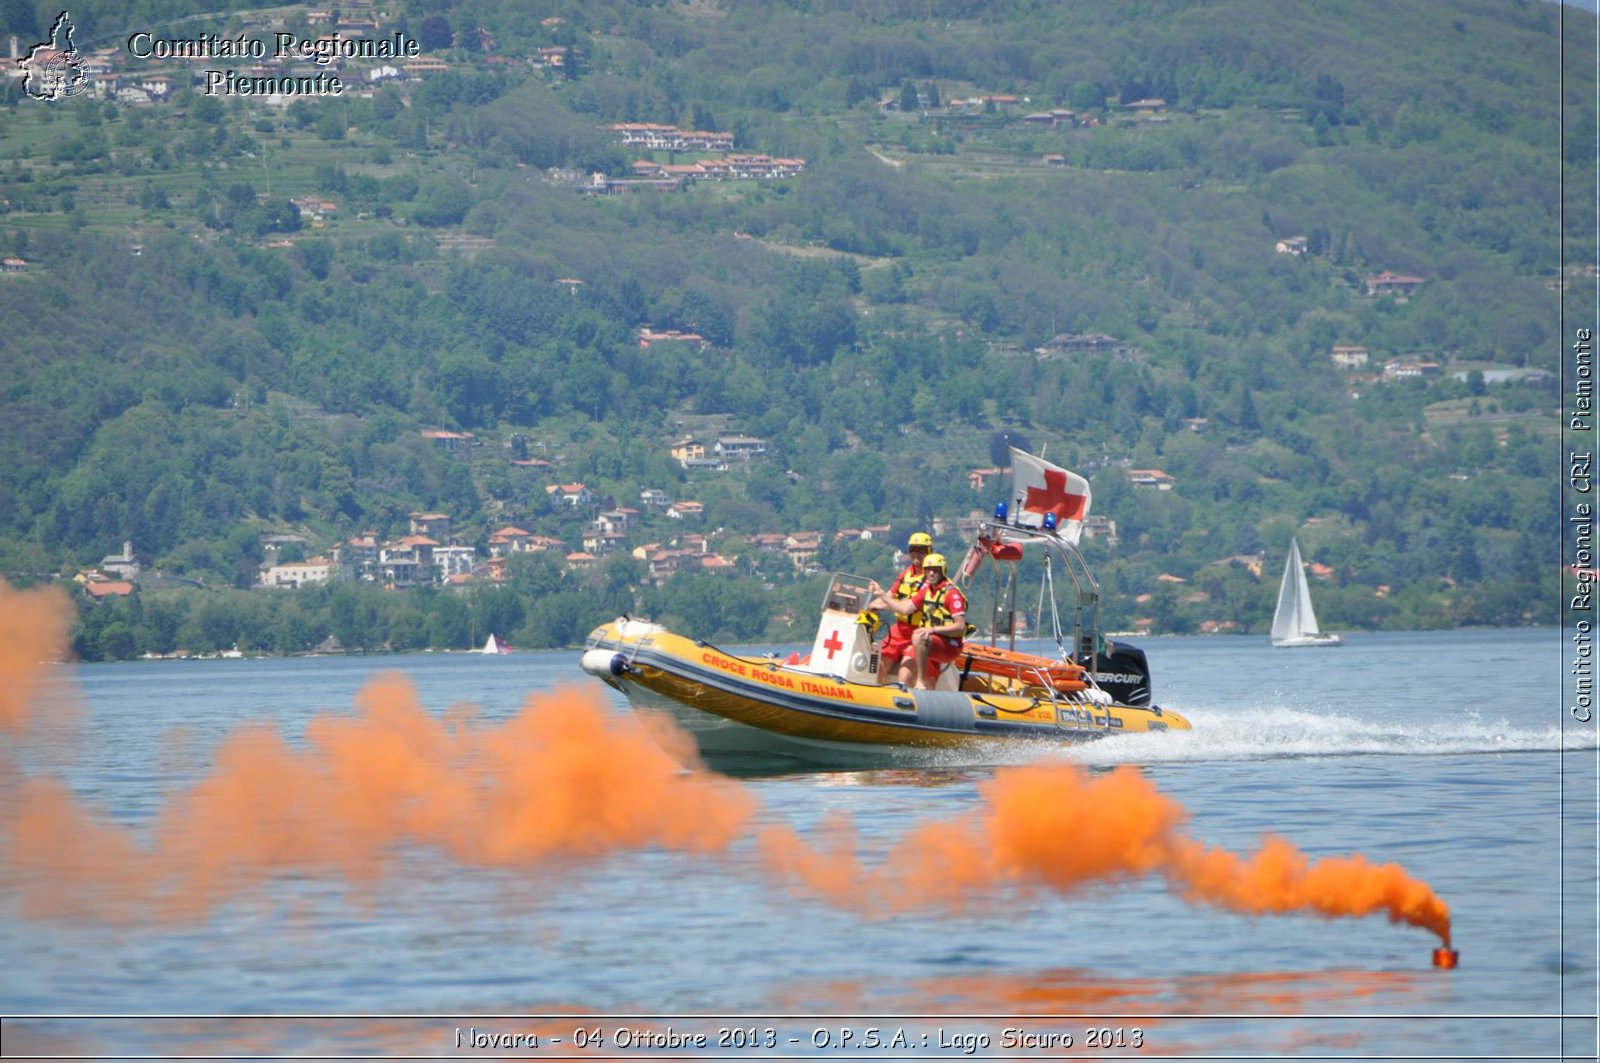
x,y
123,564
455,560
295,574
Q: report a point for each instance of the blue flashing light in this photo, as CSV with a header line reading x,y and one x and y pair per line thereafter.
x,y
1049,522
1000,512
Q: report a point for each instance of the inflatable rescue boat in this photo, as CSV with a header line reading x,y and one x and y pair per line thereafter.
x,y
827,707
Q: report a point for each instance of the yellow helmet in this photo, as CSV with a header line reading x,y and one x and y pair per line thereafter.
x,y
934,561
920,539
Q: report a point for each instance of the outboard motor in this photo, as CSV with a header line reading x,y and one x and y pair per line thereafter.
x,y
1123,673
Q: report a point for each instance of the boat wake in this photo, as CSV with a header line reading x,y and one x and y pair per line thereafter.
x,y
1271,733
1268,733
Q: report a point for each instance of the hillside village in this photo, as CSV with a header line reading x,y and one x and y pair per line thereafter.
x,y
654,528
667,535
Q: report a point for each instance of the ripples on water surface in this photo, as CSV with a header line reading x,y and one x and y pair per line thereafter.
x,y
1448,753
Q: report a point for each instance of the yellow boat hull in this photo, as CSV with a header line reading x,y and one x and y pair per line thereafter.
x,y
757,711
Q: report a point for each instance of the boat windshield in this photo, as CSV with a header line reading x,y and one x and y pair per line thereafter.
x,y
846,594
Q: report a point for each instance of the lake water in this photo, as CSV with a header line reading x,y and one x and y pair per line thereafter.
x,y
1449,753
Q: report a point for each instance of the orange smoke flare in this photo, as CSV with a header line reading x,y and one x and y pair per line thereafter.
x,y
566,779
1280,878
1057,826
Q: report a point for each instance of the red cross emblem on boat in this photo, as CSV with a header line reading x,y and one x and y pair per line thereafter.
x,y
1053,497
833,644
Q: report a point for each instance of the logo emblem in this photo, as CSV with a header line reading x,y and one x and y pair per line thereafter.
x,y
53,69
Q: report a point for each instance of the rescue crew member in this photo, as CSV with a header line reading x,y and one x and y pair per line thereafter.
x,y
897,644
938,639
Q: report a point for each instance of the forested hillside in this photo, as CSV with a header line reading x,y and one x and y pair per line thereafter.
x,y
1132,234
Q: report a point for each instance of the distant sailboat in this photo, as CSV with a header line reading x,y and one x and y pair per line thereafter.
x,y
494,645
1295,622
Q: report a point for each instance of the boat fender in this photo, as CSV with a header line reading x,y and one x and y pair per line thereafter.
x,y
601,663
946,710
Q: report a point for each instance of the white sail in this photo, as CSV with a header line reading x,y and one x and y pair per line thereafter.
x,y
494,645
1294,622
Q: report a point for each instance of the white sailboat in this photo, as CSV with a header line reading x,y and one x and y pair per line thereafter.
x,y
1294,623
494,645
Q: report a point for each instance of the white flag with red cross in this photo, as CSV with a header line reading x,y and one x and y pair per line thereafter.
x,y
1041,488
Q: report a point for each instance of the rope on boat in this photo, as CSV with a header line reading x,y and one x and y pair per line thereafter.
x,y
638,644
1047,592
1032,704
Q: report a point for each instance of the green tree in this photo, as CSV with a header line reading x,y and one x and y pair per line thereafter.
x,y
449,622
442,201
860,482
408,630
1086,96
434,33
117,642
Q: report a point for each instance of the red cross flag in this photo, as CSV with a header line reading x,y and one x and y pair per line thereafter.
x,y
1041,488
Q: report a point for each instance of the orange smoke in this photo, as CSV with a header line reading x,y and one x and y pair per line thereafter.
x,y
59,859
1047,824
34,628
1280,878
563,778
1056,825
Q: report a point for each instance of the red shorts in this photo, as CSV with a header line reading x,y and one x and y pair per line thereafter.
x,y
942,649
898,642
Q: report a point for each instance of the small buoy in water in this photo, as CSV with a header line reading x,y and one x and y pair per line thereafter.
x,y
1446,958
